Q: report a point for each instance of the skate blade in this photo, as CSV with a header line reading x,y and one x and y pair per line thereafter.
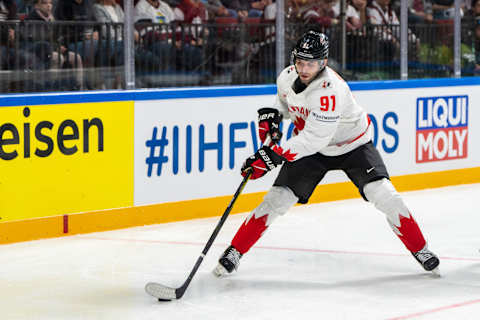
x,y
436,272
219,271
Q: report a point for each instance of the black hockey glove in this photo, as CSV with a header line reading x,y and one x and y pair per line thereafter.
x,y
264,160
269,124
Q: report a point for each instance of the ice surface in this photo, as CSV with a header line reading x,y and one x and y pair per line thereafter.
x,y
337,260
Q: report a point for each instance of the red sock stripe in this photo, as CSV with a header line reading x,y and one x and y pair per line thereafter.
x,y
411,235
249,233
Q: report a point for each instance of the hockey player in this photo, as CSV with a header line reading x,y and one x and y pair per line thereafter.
x,y
331,132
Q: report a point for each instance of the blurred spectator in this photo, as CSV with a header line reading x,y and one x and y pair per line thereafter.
x,y
269,10
79,38
257,7
44,41
352,17
293,10
420,11
380,13
445,9
191,11
84,39
246,8
472,13
111,13
155,11
476,8
215,9
20,4
360,7
171,3
359,43
8,12
319,12
77,10
24,7
112,49
174,52
153,18
194,35
477,45
469,23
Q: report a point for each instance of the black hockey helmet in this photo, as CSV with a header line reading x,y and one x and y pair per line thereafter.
x,y
313,45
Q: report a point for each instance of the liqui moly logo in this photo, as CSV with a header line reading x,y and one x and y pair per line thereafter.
x,y
442,128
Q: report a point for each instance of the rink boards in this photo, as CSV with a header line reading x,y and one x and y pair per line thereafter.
x,y
83,162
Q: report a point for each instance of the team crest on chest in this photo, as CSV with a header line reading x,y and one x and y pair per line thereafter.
x,y
326,84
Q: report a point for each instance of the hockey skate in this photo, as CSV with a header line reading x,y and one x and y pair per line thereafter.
x,y
228,262
428,260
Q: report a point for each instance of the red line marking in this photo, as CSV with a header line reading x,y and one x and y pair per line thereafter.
x,y
421,313
65,223
385,254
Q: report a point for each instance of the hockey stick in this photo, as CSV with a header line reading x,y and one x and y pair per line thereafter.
x,y
164,293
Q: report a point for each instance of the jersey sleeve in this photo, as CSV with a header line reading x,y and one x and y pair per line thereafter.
x,y
281,105
320,126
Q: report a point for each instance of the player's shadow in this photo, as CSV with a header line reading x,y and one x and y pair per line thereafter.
x,y
294,285
455,280
467,276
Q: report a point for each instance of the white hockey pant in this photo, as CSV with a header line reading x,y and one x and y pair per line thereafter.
x,y
276,202
386,199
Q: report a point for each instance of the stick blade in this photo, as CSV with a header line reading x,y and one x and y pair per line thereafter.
x,y
161,292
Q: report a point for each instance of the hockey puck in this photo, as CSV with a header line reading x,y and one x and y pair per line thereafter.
x,y
164,299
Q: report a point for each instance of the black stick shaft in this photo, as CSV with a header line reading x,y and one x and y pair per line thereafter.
x,y
180,291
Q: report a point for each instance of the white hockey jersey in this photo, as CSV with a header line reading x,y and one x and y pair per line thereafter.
x,y
327,118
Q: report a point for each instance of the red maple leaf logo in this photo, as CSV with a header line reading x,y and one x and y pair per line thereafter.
x,y
410,234
299,123
250,231
288,155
